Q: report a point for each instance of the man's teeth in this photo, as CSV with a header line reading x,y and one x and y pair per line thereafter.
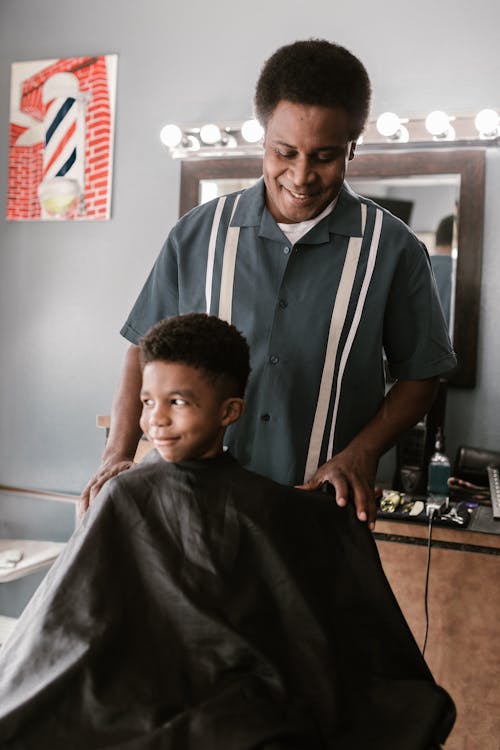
x,y
301,196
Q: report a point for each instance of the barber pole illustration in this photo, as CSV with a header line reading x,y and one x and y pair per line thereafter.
x,y
61,131
63,175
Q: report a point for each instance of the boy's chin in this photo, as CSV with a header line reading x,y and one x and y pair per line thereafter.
x,y
175,457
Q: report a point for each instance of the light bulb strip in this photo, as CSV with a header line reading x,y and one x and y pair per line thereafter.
x,y
230,143
463,125
412,133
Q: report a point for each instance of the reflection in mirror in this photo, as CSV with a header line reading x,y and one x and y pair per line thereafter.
x,y
210,189
423,202
435,185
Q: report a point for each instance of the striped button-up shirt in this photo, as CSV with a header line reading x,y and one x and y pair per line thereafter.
x,y
318,317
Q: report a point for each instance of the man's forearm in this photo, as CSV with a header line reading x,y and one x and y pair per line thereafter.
x,y
125,431
404,405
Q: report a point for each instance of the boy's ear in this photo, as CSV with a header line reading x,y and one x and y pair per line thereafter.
x,y
232,409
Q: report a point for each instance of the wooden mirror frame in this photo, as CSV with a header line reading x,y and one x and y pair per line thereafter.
x,y
469,164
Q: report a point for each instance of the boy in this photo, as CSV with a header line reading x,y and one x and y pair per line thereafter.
x,y
201,606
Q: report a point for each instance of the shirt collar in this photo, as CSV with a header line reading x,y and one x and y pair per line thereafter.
x,y
345,219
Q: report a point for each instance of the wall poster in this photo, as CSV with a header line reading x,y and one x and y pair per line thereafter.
x,y
61,138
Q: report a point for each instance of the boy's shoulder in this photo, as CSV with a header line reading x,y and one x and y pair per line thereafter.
x,y
223,476
151,468
154,469
219,492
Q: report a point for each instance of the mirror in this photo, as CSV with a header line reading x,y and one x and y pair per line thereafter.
x,y
424,186
429,205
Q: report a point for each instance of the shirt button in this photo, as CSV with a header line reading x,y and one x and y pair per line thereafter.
x,y
265,417
274,359
283,303
286,249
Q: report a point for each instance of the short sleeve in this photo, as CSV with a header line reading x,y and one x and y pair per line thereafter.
x,y
159,297
416,340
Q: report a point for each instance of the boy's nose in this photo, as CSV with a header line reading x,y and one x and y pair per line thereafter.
x,y
160,417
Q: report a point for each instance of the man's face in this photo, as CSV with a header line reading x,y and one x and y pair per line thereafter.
x,y
182,413
306,150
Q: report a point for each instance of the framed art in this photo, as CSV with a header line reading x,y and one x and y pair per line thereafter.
x,y
61,139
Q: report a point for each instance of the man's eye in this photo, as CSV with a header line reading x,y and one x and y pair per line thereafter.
x,y
326,156
285,154
179,402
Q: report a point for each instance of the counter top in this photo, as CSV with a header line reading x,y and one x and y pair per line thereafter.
x,y
481,535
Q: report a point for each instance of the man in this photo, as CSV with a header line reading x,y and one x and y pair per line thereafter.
x,y
319,280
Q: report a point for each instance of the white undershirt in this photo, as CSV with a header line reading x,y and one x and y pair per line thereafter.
x,y
294,232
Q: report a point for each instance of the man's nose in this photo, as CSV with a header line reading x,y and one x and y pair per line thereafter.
x,y
302,171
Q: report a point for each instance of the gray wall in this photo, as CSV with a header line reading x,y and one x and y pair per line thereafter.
x,y
66,288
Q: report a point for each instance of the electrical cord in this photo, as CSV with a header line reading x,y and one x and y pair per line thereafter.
x,y
426,594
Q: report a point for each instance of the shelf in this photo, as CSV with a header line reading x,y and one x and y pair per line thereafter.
x,y
35,556
64,497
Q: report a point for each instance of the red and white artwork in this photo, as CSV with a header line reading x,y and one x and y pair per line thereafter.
x,y
61,138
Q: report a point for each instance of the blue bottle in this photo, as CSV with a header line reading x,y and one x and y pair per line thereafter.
x,y
439,469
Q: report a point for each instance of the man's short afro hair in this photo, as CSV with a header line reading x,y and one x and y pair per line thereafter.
x,y
318,73
444,232
205,342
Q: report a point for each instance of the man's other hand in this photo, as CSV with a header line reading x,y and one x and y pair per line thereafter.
x,y
351,474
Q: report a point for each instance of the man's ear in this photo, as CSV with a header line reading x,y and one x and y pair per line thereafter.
x,y
232,409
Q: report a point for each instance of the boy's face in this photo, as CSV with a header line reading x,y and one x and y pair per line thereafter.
x,y
183,414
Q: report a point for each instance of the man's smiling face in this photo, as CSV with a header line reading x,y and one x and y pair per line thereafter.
x,y
306,151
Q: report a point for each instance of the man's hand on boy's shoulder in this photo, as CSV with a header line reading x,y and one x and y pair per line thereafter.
x,y
351,474
108,469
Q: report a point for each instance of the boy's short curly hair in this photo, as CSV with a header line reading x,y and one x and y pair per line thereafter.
x,y
318,73
204,342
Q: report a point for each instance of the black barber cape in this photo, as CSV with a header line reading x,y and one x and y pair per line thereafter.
x,y
200,606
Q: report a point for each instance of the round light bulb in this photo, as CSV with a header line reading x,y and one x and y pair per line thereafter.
x,y
403,135
252,131
388,124
437,123
228,140
192,143
171,135
210,134
487,121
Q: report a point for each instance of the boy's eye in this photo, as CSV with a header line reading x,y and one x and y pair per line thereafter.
x,y
179,402
147,402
